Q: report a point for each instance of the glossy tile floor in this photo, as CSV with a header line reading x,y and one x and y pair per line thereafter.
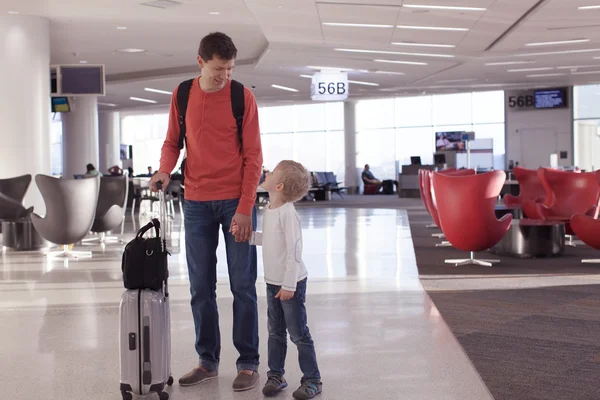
x,y
377,333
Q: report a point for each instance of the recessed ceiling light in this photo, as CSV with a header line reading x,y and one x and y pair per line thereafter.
x,y
456,80
544,75
396,53
585,73
13,12
107,104
577,66
572,41
431,28
336,69
122,28
306,76
131,50
400,62
458,8
449,46
357,25
158,91
389,73
289,89
82,62
508,63
364,83
214,13
530,69
557,52
588,7
280,6
143,100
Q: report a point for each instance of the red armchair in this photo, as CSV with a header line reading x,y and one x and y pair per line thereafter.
x,y
567,194
466,212
587,229
530,188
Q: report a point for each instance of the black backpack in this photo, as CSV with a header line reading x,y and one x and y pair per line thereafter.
x,y
238,106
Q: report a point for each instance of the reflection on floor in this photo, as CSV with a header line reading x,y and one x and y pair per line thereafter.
x,y
377,333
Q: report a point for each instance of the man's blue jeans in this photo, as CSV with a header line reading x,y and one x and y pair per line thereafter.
x,y
202,220
290,316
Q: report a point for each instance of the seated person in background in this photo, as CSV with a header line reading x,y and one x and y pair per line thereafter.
x,y
149,172
368,177
130,170
92,171
115,171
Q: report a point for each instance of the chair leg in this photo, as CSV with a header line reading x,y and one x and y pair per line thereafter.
x,y
471,261
431,226
438,235
180,207
66,253
102,238
445,243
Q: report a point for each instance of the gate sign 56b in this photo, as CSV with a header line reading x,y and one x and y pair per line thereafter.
x,y
329,86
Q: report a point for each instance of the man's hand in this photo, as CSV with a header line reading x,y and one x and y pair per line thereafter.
x,y
243,227
284,295
159,177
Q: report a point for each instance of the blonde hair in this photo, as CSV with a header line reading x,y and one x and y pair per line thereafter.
x,y
295,178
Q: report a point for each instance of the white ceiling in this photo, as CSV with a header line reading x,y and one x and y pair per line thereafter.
x,y
278,39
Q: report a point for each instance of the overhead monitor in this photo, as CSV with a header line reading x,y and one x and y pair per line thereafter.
x,y
60,104
550,98
449,141
77,80
439,159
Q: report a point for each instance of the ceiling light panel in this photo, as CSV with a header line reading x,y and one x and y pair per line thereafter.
x,y
410,44
491,64
352,25
158,91
549,53
432,28
451,8
596,7
288,89
399,53
572,41
531,69
544,75
400,62
143,100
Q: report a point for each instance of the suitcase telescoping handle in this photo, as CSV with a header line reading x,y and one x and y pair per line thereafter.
x,y
163,221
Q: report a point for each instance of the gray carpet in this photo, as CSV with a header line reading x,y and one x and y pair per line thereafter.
x,y
530,327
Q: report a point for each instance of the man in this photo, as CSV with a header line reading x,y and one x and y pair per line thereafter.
x,y
368,177
150,173
221,179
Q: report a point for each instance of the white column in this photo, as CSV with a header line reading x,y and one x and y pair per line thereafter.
x,y
80,136
25,101
109,133
351,178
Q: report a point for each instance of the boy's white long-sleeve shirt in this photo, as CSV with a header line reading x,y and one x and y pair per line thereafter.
x,y
281,241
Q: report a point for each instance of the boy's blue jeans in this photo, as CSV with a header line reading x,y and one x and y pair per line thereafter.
x,y
202,220
290,315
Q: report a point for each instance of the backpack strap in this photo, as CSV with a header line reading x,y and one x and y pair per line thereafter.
x,y
238,106
183,94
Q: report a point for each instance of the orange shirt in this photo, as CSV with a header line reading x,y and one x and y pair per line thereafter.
x,y
216,168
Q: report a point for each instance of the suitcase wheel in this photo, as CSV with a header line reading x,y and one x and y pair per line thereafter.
x,y
127,396
163,396
170,381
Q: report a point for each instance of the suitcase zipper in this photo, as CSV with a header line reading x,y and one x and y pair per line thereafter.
x,y
140,339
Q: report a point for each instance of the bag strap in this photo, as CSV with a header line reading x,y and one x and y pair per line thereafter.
x,y
238,106
183,94
154,223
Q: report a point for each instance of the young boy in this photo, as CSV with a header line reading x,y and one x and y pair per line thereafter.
x,y
285,275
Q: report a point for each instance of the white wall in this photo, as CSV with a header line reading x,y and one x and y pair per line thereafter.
x,y
532,135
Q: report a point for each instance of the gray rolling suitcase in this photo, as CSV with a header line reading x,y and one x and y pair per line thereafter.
x,y
145,337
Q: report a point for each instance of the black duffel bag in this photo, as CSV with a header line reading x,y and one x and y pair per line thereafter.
x,y
144,262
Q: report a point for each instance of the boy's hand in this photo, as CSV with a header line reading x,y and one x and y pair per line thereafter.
x,y
284,295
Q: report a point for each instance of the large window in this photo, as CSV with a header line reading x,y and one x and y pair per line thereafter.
x,y
587,126
312,134
391,131
146,132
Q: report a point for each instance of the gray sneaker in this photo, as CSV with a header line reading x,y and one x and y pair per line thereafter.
x,y
308,390
243,381
196,376
274,385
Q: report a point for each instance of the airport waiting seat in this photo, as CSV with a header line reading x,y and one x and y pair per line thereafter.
x,y
110,210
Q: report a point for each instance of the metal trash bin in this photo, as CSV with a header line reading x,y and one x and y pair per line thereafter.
x,y
19,234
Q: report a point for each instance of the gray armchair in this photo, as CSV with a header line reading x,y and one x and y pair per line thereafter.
x,y
16,187
70,210
110,211
11,209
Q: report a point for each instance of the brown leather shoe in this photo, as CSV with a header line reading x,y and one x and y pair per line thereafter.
x,y
196,376
244,381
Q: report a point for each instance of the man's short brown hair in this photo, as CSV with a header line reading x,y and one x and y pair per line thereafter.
x,y
295,178
217,44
